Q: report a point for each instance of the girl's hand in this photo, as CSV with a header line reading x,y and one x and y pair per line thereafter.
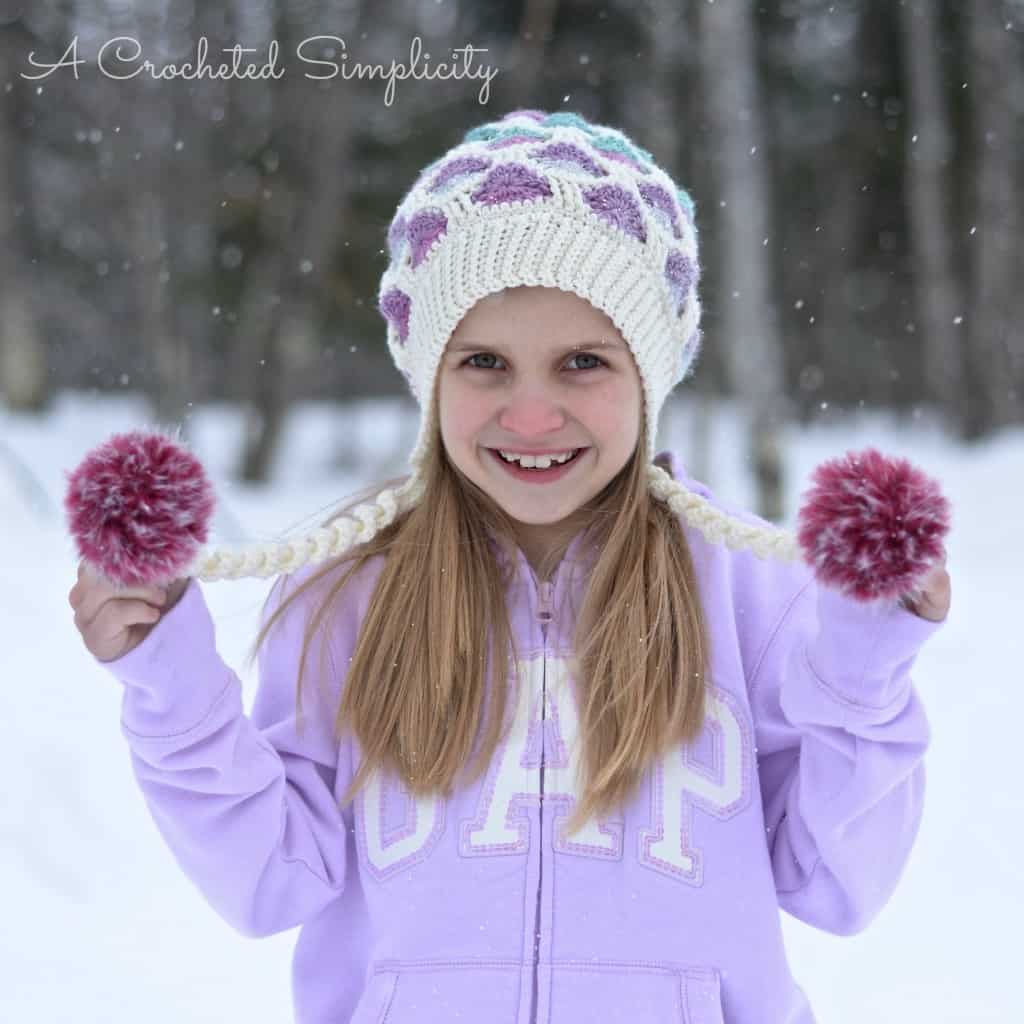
x,y
931,599
112,619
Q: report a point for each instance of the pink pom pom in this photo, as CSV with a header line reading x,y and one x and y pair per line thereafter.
x,y
873,526
139,506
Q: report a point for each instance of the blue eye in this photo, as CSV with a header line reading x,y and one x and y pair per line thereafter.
x,y
491,355
589,355
469,361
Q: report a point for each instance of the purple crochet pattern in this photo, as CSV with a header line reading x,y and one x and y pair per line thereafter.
x,y
681,274
425,229
394,307
565,154
396,237
509,183
457,169
615,205
661,203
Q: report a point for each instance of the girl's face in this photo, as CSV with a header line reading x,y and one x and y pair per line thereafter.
x,y
539,368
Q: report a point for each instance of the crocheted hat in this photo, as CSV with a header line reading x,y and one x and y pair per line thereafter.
x,y
544,199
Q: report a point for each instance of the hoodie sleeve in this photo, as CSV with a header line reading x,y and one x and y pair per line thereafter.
x,y
246,805
840,736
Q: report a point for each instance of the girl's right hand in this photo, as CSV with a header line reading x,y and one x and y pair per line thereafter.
x,y
113,620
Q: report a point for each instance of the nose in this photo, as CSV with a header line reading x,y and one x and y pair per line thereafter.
x,y
531,416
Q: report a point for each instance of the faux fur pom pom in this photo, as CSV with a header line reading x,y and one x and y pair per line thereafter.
x,y
139,507
872,526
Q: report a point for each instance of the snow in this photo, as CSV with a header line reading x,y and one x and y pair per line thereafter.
x,y
100,924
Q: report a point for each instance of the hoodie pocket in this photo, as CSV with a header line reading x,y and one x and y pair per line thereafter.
x,y
624,991
375,1000
405,991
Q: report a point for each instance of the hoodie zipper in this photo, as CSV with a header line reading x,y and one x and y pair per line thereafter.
x,y
544,612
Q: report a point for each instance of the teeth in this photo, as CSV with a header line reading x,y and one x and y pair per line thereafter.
x,y
535,461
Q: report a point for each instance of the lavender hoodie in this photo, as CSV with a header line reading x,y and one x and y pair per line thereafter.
x,y
804,792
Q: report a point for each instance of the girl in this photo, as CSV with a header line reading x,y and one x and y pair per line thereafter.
x,y
681,737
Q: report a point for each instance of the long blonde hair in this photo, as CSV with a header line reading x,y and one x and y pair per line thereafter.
x,y
415,688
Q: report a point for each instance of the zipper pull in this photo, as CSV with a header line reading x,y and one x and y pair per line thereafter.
x,y
544,611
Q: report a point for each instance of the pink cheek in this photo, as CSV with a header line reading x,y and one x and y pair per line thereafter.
x,y
468,415
604,402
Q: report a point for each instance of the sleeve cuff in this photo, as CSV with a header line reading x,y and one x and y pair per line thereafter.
x,y
863,649
175,676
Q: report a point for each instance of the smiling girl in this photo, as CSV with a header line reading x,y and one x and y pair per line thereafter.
x,y
565,752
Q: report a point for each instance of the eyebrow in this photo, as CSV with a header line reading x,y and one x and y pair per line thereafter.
x,y
479,346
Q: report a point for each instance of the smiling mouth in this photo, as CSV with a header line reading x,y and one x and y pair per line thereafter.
x,y
556,469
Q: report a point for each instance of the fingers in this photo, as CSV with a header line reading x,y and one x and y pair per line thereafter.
x,y
119,626
112,618
936,577
93,591
115,617
94,604
930,598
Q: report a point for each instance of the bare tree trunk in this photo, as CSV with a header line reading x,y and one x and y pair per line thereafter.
x,y
282,297
171,215
748,332
167,376
938,292
661,114
535,31
995,75
258,365
839,198
23,378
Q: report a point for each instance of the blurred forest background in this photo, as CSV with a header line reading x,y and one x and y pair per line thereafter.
x,y
857,168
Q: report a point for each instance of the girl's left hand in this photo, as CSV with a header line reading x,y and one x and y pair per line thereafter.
x,y
930,599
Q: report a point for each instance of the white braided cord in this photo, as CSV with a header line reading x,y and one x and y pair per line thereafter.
x,y
366,520
717,525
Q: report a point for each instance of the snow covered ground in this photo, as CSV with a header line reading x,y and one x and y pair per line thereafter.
x,y
100,925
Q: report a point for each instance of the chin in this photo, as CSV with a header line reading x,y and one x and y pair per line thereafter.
x,y
534,512
538,520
